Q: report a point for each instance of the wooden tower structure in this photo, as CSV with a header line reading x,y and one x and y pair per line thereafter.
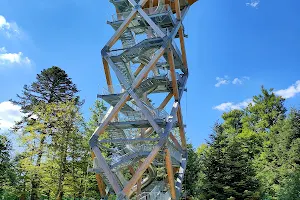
x,y
146,153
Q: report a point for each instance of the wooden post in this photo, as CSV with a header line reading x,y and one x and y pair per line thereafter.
x,y
100,183
181,34
107,76
121,29
170,173
181,128
173,75
182,46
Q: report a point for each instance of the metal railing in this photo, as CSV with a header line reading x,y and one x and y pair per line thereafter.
x,y
149,11
138,115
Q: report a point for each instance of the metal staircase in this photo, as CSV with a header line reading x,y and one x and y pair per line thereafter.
x,y
140,133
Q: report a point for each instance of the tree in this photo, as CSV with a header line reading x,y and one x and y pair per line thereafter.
x,y
62,169
227,171
290,187
5,164
52,86
233,121
192,171
265,111
280,156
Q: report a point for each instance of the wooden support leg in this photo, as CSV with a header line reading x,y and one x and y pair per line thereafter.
x,y
100,183
182,46
170,174
181,129
173,75
108,76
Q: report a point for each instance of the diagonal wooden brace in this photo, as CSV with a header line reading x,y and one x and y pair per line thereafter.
x,y
130,91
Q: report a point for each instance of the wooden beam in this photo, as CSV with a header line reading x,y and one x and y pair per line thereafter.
x,y
137,81
100,183
139,69
113,113
175,141
182,46
121,29
161,106
108,173
165,101
181,128
107,76
181,34
173,75
143,2
147,114
170,173
177,9
139,184
143,74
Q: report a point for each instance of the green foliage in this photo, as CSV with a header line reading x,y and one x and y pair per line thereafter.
x,y
265,111
227,171
192,173
290,187
51,85
251,154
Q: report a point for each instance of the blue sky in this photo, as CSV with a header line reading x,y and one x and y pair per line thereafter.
x,y
233,48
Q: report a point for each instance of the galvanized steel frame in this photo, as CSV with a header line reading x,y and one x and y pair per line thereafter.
x,y
140,74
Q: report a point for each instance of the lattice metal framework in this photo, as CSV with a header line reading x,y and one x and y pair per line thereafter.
x,y
142,137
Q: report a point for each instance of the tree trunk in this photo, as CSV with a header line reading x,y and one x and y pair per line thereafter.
x,y
35,182
62,170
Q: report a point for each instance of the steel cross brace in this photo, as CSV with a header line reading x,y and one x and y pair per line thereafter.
x,y
136,9
130,91
163,138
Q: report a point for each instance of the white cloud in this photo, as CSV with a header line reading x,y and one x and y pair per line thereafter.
x,y
13,58
237,81
290,91
221,81
10,29
226,80
9,113
3,50
253,3
232,106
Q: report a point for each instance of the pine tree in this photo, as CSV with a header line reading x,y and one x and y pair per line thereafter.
x,y
61,171
5,164
227,171
265,111
192,172
52,85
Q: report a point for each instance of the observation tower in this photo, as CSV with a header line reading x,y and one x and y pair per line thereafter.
x,y
144,153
